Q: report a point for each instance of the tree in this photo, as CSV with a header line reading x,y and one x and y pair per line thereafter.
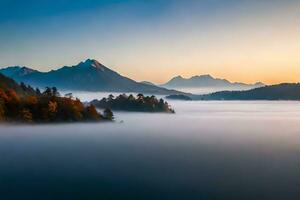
x,y
37,91
131,97
108,114
23,86
91,113
47,92
55,92
110,97
25,115
140,96
3,95
2,111
31,100
12,104
52,109
12,96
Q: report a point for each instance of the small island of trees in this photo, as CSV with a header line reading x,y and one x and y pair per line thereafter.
x,y
140,103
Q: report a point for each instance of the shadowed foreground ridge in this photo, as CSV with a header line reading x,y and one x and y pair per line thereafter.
x,y
22,103
140,103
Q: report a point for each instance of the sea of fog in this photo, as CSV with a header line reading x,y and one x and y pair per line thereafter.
x,y
207,150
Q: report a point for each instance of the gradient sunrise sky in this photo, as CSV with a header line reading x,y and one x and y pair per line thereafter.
x,y
154,40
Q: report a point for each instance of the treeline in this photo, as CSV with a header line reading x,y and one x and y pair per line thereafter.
x,y
22,103
140,103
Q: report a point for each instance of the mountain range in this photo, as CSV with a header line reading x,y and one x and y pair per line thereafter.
x,y
89,75
207,81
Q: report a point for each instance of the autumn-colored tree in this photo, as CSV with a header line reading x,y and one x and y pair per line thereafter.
x,y
12,104
3,95
77,109
26,115
32,100
2,112
52,109
12,95
91,113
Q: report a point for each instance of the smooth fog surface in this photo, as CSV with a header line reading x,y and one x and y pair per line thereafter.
x,y
215,150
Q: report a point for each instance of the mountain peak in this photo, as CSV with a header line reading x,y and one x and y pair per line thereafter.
x,y
92,63
207,76
177,78
259,84
27,70
204,76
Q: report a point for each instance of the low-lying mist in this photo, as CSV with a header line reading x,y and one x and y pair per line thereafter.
x,y
220,150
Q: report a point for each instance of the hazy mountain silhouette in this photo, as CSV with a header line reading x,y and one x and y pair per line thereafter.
x,y
283,91
207,81
89,75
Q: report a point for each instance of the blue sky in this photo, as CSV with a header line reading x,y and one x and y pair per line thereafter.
x,y
156,39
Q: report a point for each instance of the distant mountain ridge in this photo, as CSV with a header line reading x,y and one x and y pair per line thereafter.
x,y
89,75
283,91
15,72
204,81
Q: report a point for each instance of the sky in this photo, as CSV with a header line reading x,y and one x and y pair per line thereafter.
x,y
155,40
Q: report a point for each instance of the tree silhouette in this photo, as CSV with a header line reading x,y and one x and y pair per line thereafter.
x,y
108,114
